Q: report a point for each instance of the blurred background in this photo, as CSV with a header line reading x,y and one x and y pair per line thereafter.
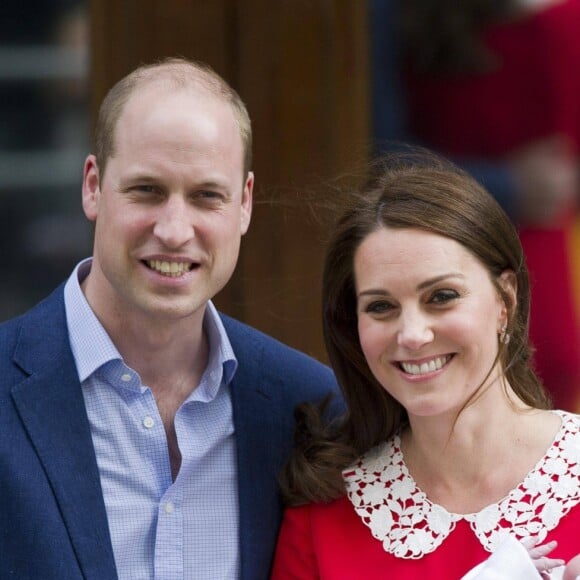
x,y
329,84
44,136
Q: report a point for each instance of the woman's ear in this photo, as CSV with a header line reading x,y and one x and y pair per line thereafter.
x,y
509,285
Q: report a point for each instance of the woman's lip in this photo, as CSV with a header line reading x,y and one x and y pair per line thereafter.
x,y
425,366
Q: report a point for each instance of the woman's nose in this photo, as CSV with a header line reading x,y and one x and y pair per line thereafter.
x,y
415,331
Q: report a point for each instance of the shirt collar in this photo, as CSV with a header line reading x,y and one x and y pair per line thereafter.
x,y
92,347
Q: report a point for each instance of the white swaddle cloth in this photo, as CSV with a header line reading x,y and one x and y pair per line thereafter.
x,y
510,561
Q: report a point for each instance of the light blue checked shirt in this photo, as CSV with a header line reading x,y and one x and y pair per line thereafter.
x,y
160,529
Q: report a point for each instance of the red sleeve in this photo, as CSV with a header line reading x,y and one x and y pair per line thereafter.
x,y
295,558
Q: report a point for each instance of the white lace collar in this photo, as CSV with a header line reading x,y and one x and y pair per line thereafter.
x,y
399,515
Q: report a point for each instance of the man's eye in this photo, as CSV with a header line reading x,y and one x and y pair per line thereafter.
x,y
206,194
144,188
207,197
444,296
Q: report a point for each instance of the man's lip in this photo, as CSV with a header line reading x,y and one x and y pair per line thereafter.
x,y
165,258
174,268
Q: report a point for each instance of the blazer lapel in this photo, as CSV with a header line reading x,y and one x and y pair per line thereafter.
x,y
258,439
51,406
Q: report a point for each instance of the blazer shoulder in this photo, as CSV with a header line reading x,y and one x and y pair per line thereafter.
x,y
38,335
293,375
247,340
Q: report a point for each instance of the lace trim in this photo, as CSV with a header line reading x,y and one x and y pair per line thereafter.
x,y
400,515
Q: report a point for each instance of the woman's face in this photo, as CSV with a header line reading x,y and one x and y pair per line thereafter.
x,y
428,318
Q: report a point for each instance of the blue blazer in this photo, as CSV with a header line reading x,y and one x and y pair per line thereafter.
x,y
53,523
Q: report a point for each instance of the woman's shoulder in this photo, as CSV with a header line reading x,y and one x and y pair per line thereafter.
x,y
570,421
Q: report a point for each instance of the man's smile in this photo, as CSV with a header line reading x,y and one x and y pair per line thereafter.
x,y
170,268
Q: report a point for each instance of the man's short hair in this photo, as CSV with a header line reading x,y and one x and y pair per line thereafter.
x,y
175,72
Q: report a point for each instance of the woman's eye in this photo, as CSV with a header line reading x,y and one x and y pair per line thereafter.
x,y
378,307
443,296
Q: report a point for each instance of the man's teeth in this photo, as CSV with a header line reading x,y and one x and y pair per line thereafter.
x,y
426,367
173,269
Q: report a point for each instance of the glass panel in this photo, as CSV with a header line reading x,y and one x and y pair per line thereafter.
x,y
44,137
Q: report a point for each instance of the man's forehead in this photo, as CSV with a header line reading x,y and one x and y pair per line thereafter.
x,y
155,95
159,119
194,86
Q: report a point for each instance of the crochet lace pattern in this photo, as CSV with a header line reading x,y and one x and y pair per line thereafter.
x,y
401,516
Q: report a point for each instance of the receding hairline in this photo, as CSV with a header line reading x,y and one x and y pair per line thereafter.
x,y
161,87
180,74
189,76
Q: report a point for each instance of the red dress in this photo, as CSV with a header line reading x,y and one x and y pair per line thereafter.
x,y
533,93
387,529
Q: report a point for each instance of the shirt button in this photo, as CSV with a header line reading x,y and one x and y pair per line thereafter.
x,y
169,507
126,377
148,422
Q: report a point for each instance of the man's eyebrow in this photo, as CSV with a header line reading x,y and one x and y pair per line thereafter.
x,y
141,177
210,185
152,178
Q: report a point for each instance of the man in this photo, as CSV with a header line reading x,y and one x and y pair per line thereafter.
x,y
142,432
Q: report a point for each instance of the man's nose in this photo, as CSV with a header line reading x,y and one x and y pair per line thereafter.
x,y
174,224
415,330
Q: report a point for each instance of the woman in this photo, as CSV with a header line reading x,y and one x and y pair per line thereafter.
x,y
449,445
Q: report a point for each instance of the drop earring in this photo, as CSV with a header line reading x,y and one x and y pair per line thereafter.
x,y
504,336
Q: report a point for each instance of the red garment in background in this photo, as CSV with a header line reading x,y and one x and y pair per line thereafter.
x,y
534,93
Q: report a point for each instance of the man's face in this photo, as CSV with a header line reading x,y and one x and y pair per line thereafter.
x,y
170,209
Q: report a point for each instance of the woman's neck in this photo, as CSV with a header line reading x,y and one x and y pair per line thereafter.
x,y
466,462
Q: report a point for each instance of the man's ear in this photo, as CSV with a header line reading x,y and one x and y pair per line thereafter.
x,y
247,193
91,188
